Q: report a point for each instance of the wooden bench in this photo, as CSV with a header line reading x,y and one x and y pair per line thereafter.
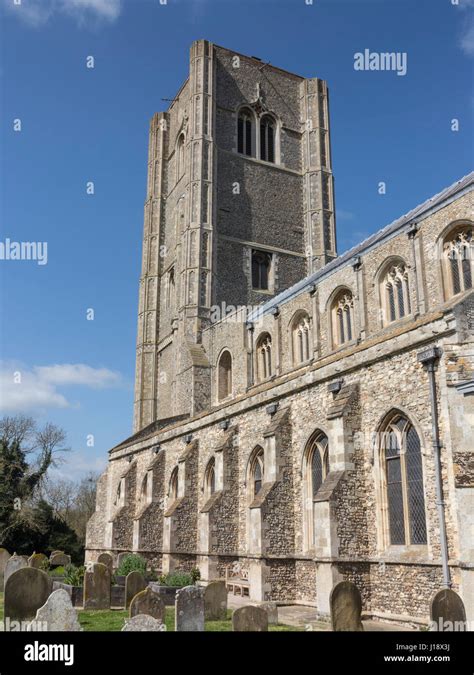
x,y
237,579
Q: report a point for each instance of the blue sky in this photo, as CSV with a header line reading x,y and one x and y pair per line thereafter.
x,y
80,125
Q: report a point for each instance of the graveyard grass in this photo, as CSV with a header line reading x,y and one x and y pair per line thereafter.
x,y
112,620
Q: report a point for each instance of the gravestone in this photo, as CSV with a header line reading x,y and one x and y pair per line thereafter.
x,y
143,623
14,563
346,607
250,619
271,609
134,583
59,559
447,612
190,609
107,560
26,590
215,601
37,560
148,602
4,557
57,614
121,556
96,587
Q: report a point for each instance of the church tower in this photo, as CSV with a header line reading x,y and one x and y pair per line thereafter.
x,y
240,206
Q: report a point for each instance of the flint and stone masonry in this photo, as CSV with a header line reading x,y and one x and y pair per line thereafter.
x,y
284,418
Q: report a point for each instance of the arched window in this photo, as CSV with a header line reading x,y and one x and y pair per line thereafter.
x,y
403,472
315,470
146,489
180,162
301,338
267,139
245,133
224,375
395,292
170,289
342,316
458,260
261,265
264,357
256,472
173,487
210,478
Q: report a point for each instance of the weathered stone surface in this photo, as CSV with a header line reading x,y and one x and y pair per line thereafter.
x,y
4,557
271,609
14,563
97,587
250,619
346,607
59,559
57,614
190,609
215,601
447,609
134,583
148,602
37,560
26,590
107,560
143,623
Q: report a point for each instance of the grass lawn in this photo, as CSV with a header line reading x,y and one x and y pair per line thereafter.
x,y
105,620
112,620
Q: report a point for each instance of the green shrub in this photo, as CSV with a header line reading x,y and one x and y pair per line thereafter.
x,y
195,574
132,563
57,571
178,579
74,576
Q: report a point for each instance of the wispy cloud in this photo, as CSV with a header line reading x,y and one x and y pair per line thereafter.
x,y
36,13
466,38
344,216
25,389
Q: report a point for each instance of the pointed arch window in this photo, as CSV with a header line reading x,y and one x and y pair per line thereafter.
x,y
173,486
267,139
343,318
224,375
315,470
301,338
245,133
264,357
458,260
256,472
261,267
210,478
180,158
395,292
403,472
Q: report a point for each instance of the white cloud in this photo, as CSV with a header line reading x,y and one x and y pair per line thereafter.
x,y
78,464
466,39
38,389
344,216
37,12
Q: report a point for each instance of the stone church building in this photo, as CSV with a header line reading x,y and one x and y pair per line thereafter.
x,y
307,415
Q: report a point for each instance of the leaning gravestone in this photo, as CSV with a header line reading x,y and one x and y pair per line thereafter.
x,y
59,559
57,614
143,623
215,601
250,619
14,563
447,612
26,590
346,607
134,583
37,560
190,609
4,558
96,587
107,560
148,602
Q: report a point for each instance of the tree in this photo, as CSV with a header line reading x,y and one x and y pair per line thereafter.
x,y
21,480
